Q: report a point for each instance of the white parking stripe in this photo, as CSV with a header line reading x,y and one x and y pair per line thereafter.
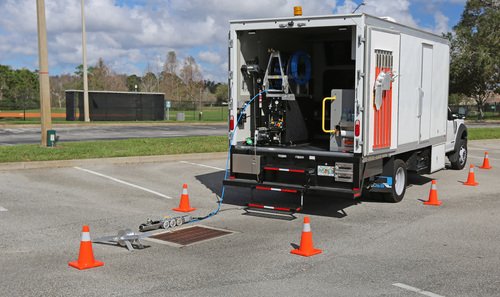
x,y
3,209
416,290
482,157
123,182
202,165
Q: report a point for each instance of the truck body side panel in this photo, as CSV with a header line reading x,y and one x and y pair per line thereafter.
x,y
440,70
382,117
409,79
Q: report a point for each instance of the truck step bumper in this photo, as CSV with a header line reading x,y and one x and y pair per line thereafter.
x,y
245,183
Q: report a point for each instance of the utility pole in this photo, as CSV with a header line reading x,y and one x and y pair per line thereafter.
x,y
85,81
43,72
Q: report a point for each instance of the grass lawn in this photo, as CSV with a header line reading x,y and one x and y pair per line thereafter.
x,y
483,133
114,148
145,147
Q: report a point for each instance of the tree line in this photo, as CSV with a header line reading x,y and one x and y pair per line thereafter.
x,y
474,70
475,54
182,83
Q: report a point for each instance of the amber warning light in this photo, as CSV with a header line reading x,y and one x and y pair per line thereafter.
x,y
297,10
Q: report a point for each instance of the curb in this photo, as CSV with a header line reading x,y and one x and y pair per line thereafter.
x,y
118,160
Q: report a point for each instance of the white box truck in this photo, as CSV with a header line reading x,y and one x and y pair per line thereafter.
x,y
338,103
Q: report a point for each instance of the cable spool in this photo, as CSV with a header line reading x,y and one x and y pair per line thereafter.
x,y
300,67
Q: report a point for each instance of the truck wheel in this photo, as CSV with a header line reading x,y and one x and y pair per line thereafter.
x,y
399,182
458,159
166,224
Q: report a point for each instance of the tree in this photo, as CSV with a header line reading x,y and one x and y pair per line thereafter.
x,y
149,82
475,52
102,78
222,93
18,88
192,78
211,85
59,84
170,80
171,63
133,81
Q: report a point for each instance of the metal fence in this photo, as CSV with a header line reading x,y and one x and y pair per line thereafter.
x,y
194,111
184,111
470,111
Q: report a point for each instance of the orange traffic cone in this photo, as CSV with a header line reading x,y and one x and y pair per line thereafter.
x,y
471,180
433,195
86,257
306,248
184,204
486,162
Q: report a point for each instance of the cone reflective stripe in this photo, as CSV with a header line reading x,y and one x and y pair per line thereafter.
x,y
306,248
184,203
433,195
86,256
85,235
471,179
486,162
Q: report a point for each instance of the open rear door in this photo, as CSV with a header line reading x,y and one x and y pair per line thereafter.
x,y
383,66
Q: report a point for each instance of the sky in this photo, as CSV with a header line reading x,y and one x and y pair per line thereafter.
x,y
134,36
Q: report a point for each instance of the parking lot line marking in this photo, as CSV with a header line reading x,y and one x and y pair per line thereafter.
x,y
201,165
416,290
477,157
3,209
123,182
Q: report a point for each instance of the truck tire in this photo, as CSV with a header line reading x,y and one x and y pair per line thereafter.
x,y
399,182
458,158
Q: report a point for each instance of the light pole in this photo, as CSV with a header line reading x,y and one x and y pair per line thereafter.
x,y
43,73
85,81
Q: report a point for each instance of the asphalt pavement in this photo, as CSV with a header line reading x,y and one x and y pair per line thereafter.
x,y
12,135
370,248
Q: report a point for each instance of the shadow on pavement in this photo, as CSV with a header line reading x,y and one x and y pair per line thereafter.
x,y
322,204
330,205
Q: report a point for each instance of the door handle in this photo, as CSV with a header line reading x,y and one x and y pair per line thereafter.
x,y
323,114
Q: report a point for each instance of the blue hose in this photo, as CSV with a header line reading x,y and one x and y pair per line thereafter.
x,y
298,57
219,205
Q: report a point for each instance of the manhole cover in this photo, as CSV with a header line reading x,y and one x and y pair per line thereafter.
x,y
190,235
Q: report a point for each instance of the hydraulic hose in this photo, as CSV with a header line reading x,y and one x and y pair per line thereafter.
x,y
233,133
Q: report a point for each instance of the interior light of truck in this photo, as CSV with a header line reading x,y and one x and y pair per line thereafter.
x,y
356,128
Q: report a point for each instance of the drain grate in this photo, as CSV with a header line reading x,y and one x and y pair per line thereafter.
x,y
191,235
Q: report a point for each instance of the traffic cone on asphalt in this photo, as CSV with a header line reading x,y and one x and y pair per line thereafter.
x,y
486,162
306,248
471,180
184,204
86,257
433,195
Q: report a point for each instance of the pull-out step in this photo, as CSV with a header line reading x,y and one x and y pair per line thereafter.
x,y
273,168
275,210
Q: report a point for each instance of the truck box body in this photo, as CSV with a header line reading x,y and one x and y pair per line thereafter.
x,y
388,90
